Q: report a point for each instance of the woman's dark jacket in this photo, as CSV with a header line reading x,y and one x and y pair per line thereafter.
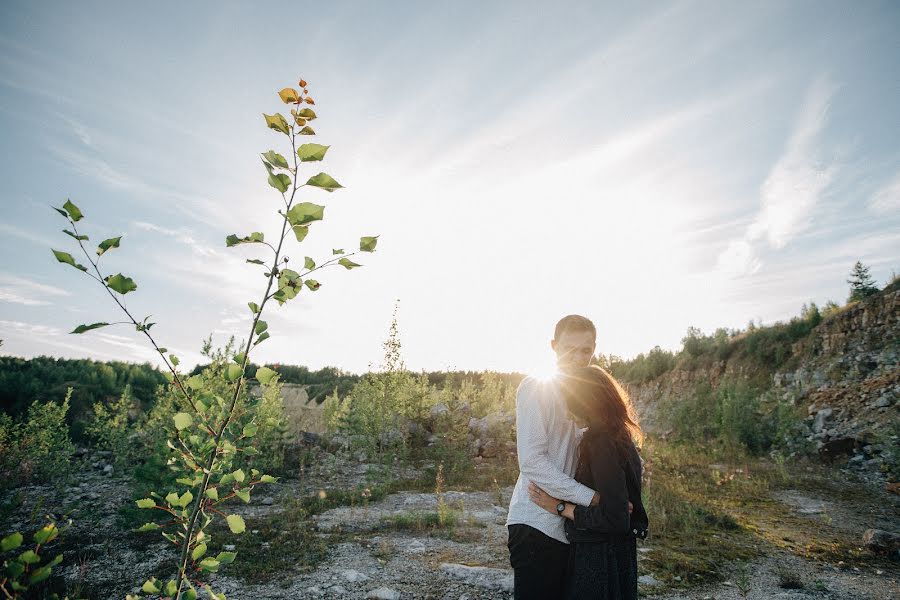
x,y
613,470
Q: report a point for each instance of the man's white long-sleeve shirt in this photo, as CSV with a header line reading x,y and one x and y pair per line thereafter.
x,y
547,443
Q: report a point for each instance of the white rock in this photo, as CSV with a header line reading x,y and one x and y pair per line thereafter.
x,y
648,580
353,576
383,593
483,577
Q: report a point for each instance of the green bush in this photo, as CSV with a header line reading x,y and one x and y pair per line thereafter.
x,y
38,448
110,429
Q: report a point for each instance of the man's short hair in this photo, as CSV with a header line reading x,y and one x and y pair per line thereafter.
x,y
574,323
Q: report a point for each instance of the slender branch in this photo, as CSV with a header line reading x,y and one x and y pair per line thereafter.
x,y
135,322
183,563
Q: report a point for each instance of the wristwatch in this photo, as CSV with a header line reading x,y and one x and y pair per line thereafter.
x,y
560,508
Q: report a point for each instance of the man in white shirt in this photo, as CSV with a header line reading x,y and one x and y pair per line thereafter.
x,y
547,442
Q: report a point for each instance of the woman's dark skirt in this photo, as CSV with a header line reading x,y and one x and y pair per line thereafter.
x,y
604,570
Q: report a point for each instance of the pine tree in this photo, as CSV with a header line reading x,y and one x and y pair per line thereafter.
x,y
862,285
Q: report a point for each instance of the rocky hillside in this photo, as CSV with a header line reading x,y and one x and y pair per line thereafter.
x,y
843,377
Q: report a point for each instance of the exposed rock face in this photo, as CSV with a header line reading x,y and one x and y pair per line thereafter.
x,y
847,371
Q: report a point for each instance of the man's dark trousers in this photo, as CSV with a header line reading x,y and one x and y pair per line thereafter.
x,y
539,563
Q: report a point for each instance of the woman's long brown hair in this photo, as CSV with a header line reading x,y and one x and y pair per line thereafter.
x,y
595,396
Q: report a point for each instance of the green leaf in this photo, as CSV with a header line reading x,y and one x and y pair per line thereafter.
x,y
312,284
255,261
190,594
107,244
11,542
256,237
174,360
305,213
150,586
348,264
45,534
280,181
277,122
368,243
39,575
235,523
83,328
80,238
239,475
337,251
212,493
267,479
74,212
238,358
243,495
65,257
324,181
307,131
306,113
162,350
183,420
275,159
250,451
264,375
29,557
185,499
262,338
171,588
209,565
145,503
233,372
226,557
254,307
15,568
309,263
250,430
195,382
120,283
198,551
260,326
312,152
301,231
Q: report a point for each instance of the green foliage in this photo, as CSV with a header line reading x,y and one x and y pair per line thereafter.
x,y
862,285
735,413
23,381
642,367
26,562
37,448
211,424
110,429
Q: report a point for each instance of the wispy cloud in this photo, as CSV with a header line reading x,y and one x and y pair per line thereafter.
x,y
887,199
18,290
791,191
183,235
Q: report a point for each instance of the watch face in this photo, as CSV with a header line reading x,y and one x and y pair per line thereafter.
x,y
560,507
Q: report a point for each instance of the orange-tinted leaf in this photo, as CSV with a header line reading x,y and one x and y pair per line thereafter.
x,y
302,83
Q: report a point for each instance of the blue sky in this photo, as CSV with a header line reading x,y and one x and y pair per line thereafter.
x,y
652,167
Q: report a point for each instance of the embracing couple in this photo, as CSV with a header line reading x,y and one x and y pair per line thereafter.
x,y
576,510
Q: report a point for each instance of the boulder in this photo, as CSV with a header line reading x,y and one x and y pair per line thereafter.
x,y
879,540
836,447
483,577
821,417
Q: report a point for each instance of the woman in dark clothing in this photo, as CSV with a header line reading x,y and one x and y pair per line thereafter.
x,y
603,560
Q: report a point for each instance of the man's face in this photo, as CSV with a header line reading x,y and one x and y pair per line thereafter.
x,y
574,349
